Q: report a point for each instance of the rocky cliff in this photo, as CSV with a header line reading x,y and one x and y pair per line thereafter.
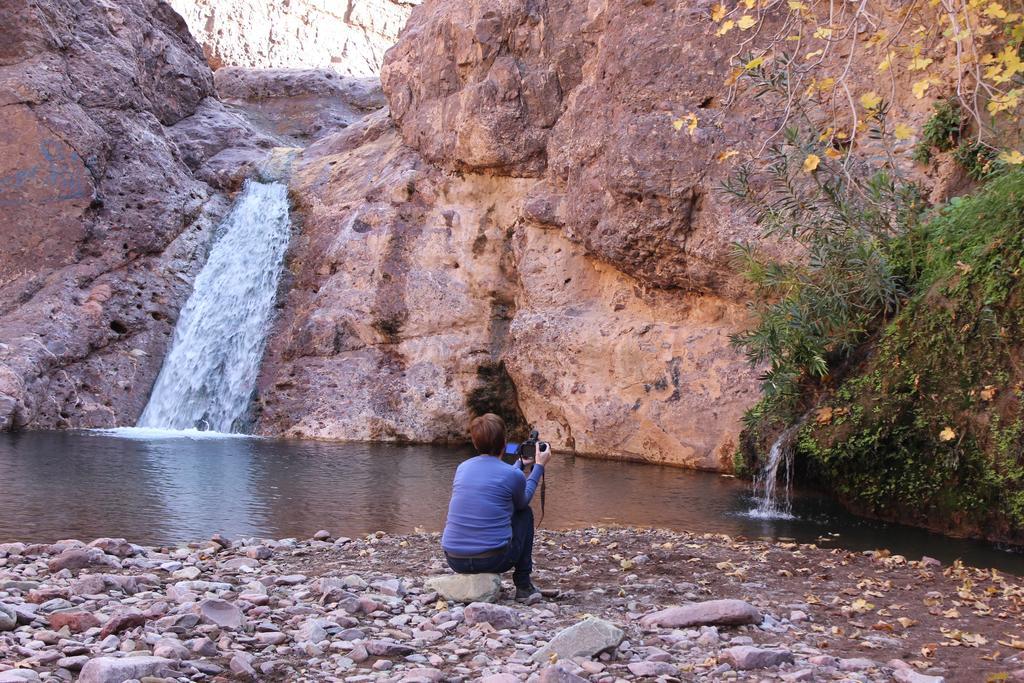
x,y
348,37
528,232
525,229
115,155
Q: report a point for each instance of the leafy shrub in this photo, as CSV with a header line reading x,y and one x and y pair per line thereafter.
x,y
812,312
941,131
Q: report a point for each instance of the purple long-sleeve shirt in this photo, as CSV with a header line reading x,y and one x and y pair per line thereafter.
x,y
485,493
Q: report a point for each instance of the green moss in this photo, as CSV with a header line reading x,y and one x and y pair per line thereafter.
x,y
931,428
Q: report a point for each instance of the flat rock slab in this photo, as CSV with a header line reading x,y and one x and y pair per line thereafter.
x,y
120,669
584,639
744,657
710,613
466,587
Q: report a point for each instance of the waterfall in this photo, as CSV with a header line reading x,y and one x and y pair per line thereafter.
x,y
773,503
208,376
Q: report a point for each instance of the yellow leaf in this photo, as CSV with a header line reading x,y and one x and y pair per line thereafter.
x,y
745,22
718,12
1004,102
995,11
754,63
919,88
903,131
823,32
947,434
749,4
811,163
906,622
919,63
691,123
726,155
1015,158
887,62
726,27
796,5
833,153
678,124
870,100
812,55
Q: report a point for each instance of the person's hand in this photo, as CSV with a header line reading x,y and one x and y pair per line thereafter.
x,y
543,454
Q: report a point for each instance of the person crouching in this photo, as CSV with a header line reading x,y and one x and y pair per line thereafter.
x,y
490,524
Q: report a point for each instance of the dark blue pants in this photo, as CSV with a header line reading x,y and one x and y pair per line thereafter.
x,y
518,555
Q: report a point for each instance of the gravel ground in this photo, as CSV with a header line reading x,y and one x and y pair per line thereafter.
x,y
330,609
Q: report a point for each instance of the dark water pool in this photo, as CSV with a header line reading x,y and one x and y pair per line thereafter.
x,y
153,490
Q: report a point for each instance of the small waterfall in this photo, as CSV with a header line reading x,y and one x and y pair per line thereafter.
x,y
209,374
773,503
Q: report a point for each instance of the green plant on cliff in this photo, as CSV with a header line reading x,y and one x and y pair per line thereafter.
x,y
813,311
929,428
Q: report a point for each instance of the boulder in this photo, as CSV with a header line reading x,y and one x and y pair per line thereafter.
x,y
120,669
118,547
466,587
496,615
585,639
76,621
650,669
911,676
220,613
388,648
77,558
710,613
122,621
19,676
170,648
8,618
556,674
744,657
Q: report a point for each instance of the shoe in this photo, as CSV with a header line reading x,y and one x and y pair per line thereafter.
x,y
528,595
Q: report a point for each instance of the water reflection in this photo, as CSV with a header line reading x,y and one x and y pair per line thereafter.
x,y
157,490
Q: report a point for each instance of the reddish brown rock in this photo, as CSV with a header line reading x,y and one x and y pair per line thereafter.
x,y
122,621
41,595
107,224
76,622
584,95
427,296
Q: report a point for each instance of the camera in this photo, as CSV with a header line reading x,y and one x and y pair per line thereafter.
x,y
527,450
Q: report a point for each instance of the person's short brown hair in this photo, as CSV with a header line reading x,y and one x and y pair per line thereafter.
x,y
488,434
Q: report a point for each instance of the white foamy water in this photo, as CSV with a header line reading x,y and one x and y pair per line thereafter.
x,y
208,376
773,501
153,434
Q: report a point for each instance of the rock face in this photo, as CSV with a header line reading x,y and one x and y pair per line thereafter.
x,y
583,96
103,226
349,37
420,297
529,234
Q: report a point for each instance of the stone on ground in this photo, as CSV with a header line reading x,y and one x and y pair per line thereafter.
x,y
911,676
556,674
120,669
652,669
496,615
220,613
710,613
8,618
745,657
584,639
466,587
